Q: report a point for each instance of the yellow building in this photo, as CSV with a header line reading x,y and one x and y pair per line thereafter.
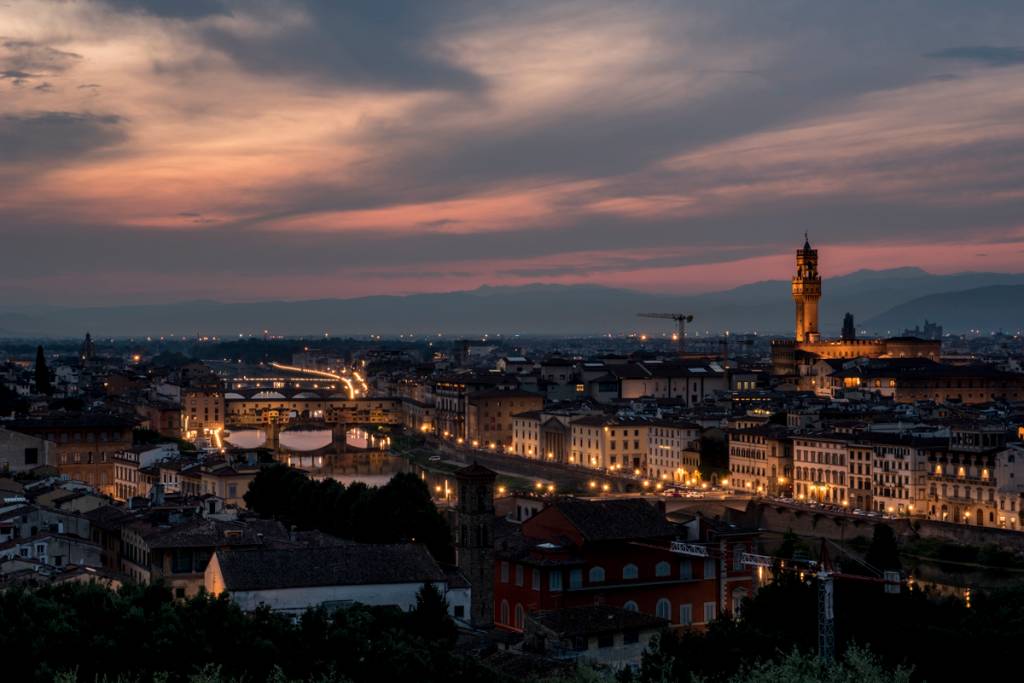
x,y
607,443
821,469
761,460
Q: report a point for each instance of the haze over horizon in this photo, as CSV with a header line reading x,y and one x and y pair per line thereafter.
x,y
156,152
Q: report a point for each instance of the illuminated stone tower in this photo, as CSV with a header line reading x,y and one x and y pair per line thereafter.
x,y
806,293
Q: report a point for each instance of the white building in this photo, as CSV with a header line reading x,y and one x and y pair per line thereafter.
x,y
21,452
295,579
1010,485
673,451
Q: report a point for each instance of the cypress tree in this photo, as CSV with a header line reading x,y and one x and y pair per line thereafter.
x,y
42,373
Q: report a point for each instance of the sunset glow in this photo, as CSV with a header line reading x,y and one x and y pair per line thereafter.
x,y
301,149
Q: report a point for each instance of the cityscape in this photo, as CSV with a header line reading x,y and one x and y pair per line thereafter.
x,y
533,343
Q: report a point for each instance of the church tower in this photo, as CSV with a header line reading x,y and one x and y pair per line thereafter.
x,y
474,544
806,293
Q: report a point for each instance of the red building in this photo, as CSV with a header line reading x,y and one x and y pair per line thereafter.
x,y
622,553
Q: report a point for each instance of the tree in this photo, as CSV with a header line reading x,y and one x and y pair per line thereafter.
x,y
10,402
858,665
43,385
790,546
429,619
84,632
400,511
883,554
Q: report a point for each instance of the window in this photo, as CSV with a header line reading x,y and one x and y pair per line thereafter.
x,y
535,578
504,572
555,580
504,611
709,612
686,570
631,606
596,574
575,578
709,569
181,561
663,609
686,614
519,575
738,551
630,571
662,569
519,616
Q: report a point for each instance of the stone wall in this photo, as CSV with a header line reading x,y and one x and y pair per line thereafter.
x,y
840,527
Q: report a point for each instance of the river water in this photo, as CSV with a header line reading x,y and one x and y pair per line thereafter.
x,y
302,449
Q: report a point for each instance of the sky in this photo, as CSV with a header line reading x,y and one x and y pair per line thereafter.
x,y
158,150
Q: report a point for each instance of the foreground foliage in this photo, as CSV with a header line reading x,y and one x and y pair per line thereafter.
x,y
88,633
926,633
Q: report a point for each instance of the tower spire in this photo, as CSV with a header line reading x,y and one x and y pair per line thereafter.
x,y
807,242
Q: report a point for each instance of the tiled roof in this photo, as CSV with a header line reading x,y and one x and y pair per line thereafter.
x,y
475,471
199,533
346,565
609,520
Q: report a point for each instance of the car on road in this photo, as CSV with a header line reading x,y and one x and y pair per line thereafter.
x,y
434,458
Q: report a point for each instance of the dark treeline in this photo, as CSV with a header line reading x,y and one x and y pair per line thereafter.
x,y
401,510
140,633
938,637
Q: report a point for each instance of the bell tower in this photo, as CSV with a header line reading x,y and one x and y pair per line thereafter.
x,y
806,293
474,543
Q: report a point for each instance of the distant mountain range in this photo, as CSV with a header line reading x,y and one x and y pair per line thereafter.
x,y
993,308
882,301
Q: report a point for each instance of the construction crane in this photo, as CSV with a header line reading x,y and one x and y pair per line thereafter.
x,y
681,319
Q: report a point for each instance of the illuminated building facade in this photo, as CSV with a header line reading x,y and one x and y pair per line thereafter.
x,y
673,451
489,415
761,460
610,444
820,469
84,445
